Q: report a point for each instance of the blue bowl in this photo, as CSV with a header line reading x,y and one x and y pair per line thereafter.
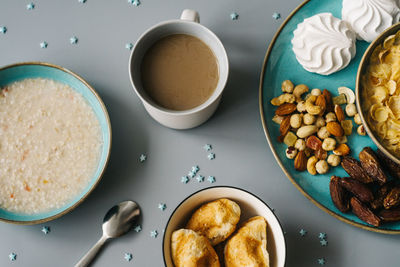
x,y
20,71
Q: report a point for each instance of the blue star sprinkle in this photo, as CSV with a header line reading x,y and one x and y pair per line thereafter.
x,y
276,16
154,234
142,158
3,29
129,46
137,228
211,179
200,178
191,174
234,16
195,169
162,206
12,256
211,156
185,179
82,1
30,6
302,232
46,229
323,242
73,40
321,261
128,256
207,147
134,2
322,236
44,44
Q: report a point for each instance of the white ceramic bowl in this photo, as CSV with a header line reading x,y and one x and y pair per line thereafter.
x,y
250,206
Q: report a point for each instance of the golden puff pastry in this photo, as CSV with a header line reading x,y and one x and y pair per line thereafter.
x,y
189,249
215,220
248,246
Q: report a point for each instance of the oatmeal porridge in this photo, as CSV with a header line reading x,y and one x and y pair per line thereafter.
x,y
50,144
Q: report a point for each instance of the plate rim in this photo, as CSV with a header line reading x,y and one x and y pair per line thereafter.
x,y
270,143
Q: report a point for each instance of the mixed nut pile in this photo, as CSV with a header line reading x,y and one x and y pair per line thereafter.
x,y
368,193
315,126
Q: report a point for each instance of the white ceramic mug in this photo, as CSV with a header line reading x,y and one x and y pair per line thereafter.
x,y
187,24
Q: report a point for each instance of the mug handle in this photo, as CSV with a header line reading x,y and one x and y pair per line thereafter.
x,y
190,15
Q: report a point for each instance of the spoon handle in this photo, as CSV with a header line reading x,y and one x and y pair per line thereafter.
x,y
91,254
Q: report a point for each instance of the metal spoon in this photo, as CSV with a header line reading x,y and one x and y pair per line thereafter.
x,y
117,222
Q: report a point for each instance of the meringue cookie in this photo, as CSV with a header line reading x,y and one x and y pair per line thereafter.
x,y
324,44
369,18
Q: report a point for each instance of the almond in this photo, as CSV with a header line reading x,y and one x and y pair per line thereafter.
x,y
321,101
342,150
313,142
285,109
328,99
300,162
285,126
334,128
339,113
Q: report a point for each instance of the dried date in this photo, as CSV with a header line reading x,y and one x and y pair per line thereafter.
x,y
370,163
364,213
392,215
392,167
393,198
381,193
339,195
360,190
355,170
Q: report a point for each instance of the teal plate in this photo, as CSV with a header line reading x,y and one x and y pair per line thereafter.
x,y
16,72
280,64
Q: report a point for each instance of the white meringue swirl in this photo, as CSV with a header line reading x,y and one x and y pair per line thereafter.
x,y
324,44
369,18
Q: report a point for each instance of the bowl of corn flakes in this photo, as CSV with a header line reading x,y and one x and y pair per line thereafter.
x,y
378,92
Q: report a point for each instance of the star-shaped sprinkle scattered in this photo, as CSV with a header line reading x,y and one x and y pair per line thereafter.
x,y
154,234
12,256
323,242
44,44
211,179
3,29
129,46
134,2
207,147
142,158
302,232
185,179
46,229
82,1
211,156
191,174
234,16
128,256
200,178
73,40
137,228
162,206
276,16
30,6
195,169
322,236
321,261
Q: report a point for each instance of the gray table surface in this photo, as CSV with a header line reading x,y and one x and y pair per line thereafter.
x,y
243,158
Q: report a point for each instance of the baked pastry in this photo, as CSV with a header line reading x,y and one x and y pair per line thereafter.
x,y
189,249
369,18
324,44
215,220
248,246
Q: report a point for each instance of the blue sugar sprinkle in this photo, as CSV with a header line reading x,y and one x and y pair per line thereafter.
x,y
322,236
12,256
129,46
207,147
137,228
3,29
276,16
234,16
128,256
211,156
30,6
323,242
46,229
302,232
185,179
321,261
44,44
200,178
211,179
73,40
162,206
154,234
142,158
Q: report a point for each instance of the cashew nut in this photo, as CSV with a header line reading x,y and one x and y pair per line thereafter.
x,y
306,131
311,108
299,90
287,86
316,92
284,98
350,97
311,165
351,110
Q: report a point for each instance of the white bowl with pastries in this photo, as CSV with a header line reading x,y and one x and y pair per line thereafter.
x,y
223,226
